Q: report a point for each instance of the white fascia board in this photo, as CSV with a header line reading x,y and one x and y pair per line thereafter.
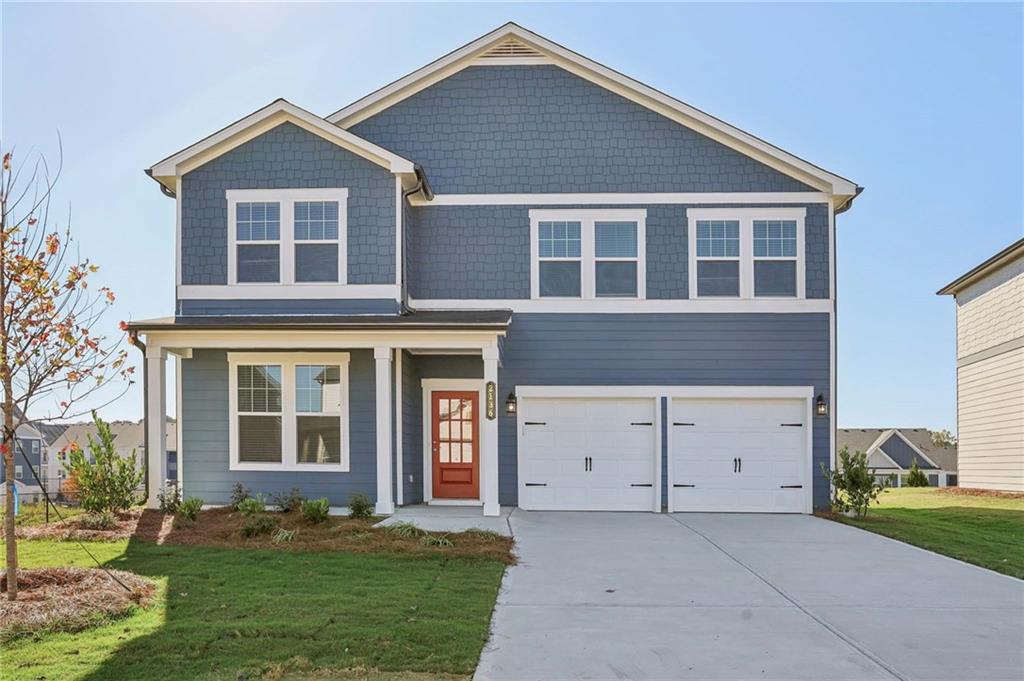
x,y
624,198
260,121
614,81
632,305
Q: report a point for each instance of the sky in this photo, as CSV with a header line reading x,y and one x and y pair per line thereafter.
x,y
919,103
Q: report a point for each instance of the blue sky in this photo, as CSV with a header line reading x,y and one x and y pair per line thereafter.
x,y
921,104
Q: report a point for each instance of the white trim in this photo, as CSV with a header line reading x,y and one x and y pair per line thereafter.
x,y
312,339
156,427
382,382
428,385
177,231
684,391
287,292
398,429
632,305
603,76
178,420
587,217
259,122
833,341
746,259
286,199
625,198
288,361
912,446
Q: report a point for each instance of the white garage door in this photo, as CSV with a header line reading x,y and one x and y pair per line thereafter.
x,y
587,454
741,455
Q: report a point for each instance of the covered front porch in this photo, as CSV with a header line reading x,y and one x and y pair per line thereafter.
x,y
402,408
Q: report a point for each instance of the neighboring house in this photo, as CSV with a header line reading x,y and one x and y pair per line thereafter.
x,y
28,459
512,277
129,440
892,451
990,371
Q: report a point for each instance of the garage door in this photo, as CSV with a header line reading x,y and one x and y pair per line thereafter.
x,y
739,455
587,454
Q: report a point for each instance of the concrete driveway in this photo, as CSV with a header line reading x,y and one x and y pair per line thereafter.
x,y
654,596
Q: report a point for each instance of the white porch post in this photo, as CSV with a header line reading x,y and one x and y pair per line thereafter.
x,y
382,357
489,437
156,415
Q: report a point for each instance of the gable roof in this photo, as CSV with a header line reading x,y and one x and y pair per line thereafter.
x,y
127,435
1004,257
260,121
512,43
903,453
899,445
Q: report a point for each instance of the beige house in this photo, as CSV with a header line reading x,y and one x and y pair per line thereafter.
x,y
990,371
129,439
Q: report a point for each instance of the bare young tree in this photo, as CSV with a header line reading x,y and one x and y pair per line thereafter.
x,y
50,351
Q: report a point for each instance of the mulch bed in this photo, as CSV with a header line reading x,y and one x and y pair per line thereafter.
x,y
965,492
68,599
73,528
223,527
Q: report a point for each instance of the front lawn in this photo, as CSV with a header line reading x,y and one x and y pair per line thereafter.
x,y
984,529
35,514
224,613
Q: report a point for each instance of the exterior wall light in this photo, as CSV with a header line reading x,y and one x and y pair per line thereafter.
x,y
821,406
510,403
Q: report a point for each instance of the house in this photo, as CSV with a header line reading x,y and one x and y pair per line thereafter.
x,y
511,277
129,441
892,451
29,476
990,371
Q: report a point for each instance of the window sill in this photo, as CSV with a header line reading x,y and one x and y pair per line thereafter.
x,y
298,467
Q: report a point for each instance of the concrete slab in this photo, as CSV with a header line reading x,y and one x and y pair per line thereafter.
x,y
450,518
653,596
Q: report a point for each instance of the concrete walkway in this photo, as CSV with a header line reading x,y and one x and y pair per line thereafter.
x,y
450,518
700,596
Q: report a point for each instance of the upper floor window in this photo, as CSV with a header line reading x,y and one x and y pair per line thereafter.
x,y
587,254
746,252
287,236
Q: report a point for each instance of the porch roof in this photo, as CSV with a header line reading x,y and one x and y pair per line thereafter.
x,y
420,320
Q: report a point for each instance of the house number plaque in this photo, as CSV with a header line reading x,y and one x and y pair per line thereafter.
x,y
491,399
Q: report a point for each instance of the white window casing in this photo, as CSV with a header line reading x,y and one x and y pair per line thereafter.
x,y
746,218
287,198
588,261
289,412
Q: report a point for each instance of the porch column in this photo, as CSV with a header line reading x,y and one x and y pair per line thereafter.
x,y
382,357
489,437
156,415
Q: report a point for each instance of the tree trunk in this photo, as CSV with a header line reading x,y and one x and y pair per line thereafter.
x,y
12,547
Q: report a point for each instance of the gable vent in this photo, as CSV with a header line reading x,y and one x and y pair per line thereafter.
x,y
510,47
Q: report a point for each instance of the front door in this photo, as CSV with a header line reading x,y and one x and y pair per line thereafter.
x,y
455,437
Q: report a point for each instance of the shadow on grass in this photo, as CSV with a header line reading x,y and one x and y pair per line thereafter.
x,y
238,613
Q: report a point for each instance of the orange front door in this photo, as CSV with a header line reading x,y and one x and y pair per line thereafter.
x,y
455,435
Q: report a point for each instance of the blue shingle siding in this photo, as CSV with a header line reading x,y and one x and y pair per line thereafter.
x,y
459,252
665,349
328,306
205,420
23,451
288,157
903,454
502,129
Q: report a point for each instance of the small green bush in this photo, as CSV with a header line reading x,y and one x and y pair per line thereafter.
x,y
316,510
404,529
853,484
251,506
917,478
287,502
360,506
108,482
259,525
439,540
239,493
189,509
169,498
282,535
104,520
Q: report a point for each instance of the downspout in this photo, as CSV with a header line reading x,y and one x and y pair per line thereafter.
x,y
133,338
420,186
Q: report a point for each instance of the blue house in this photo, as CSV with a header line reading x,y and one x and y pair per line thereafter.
x,y
512,277
29,463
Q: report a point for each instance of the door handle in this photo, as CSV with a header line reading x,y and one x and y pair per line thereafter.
x,y
642,484
735,465
741,465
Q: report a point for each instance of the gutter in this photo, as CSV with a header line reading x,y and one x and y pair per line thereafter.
x,y
421,186
133,338
847,205
166,192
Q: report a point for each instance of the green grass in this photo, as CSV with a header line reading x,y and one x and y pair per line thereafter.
x,y
35,514
229,614
984,530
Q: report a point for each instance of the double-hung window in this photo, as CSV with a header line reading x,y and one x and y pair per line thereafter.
x,y
746,252
287,236
587,253
288,411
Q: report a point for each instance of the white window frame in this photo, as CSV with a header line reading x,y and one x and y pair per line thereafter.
x,y
746,217
289,416
19,472
286,255
588,262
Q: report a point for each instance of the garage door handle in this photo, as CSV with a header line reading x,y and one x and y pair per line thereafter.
x,y
683,424
792,425
535,423
791,486
642,484
641,423
536,484
684,485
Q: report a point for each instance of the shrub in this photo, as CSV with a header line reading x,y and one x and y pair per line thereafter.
x,y
360,506
917,478
109,481
439,540
485,535
404,529
853,484
189,509
287,502
282,535
170,498
316,510
103,520
259,525
251,506
239,493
